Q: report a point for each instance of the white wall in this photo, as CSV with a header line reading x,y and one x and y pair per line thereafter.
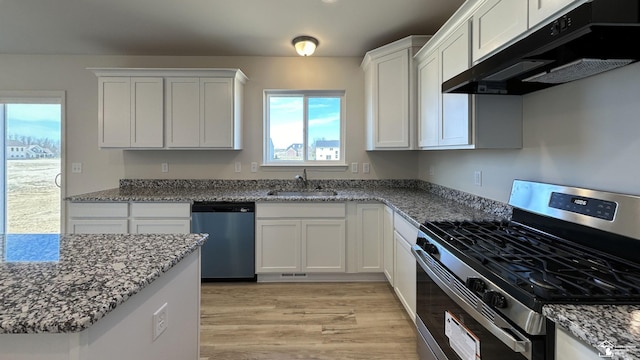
x,y
585,133
103,168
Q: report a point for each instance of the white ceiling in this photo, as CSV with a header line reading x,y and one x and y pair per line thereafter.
x,y
212,27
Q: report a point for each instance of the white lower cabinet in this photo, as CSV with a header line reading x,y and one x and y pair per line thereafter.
x,y
129,218
405,236
98,218
300,237
388,244
278,246
369,237
160,218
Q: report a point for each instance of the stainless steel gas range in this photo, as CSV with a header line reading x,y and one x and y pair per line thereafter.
x,y
481,286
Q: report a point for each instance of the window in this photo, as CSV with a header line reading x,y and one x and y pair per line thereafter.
x,y
303,127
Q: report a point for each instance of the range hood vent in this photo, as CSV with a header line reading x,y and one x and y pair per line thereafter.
x,y
593,38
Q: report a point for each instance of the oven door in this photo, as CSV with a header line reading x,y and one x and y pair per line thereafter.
x,y
451,328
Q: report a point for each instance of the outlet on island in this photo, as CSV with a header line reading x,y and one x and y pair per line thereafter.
x,y
160,321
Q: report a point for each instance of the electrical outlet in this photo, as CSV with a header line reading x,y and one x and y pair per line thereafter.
x,y
76,168
238,166
254,167
165,167
354,167
477,178
160,321
365,168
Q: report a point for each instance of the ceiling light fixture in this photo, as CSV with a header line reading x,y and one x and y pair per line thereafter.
x,y
305,45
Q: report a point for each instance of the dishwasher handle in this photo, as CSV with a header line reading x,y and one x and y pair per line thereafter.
x,y
222,207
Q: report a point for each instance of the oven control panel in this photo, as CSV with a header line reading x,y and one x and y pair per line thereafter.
x,y
597,208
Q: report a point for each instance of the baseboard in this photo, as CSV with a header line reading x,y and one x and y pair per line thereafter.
x,y
321,277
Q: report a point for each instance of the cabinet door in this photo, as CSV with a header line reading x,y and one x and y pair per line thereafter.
x,y
455,127
147,113
429,95
216,112
98,226
369,237
405,275
495,23
540,10
277,246
388,247
161,226
114,112
323,245
182,102
391,100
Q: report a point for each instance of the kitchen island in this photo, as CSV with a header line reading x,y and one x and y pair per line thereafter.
x,y
94,296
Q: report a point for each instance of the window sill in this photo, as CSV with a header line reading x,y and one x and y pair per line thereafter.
x,y
336,167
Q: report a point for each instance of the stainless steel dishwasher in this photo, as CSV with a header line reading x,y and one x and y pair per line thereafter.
x,y
229,254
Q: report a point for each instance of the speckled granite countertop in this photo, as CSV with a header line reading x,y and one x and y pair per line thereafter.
x,y
612,327
60,284
416,201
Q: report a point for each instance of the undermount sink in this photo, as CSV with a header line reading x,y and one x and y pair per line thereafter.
x,y
302,193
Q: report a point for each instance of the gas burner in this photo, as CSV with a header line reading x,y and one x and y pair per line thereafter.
x,y
604,284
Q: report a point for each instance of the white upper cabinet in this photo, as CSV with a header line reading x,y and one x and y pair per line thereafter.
x,y
183,112
495,23
429,99
455,125
200,113
390,95
198,108
461,121
130,113
540,10
216,113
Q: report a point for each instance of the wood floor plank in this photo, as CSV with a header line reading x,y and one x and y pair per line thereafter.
x,y
304,321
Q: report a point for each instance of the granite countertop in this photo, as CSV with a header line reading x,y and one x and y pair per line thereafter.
x,y
613,330
417,202
65,283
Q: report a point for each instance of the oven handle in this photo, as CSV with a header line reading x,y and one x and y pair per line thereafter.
x,y
522,345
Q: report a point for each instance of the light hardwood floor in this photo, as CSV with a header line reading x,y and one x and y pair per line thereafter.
x,y
304,321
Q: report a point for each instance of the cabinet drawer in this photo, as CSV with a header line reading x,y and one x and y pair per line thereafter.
x,y
301,210
405,229
98,227
176,226
161,210
98,210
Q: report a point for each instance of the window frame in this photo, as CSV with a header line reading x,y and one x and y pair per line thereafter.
x,y
305,94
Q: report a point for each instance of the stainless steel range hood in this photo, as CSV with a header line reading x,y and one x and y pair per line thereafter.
x,y
595,37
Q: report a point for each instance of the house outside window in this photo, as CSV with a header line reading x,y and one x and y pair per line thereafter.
x,y
304,127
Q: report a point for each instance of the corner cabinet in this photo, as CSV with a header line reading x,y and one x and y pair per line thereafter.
x,y
170,108
390,94
369,237
461,121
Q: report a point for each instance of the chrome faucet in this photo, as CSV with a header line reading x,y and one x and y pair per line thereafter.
x,y
303,178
